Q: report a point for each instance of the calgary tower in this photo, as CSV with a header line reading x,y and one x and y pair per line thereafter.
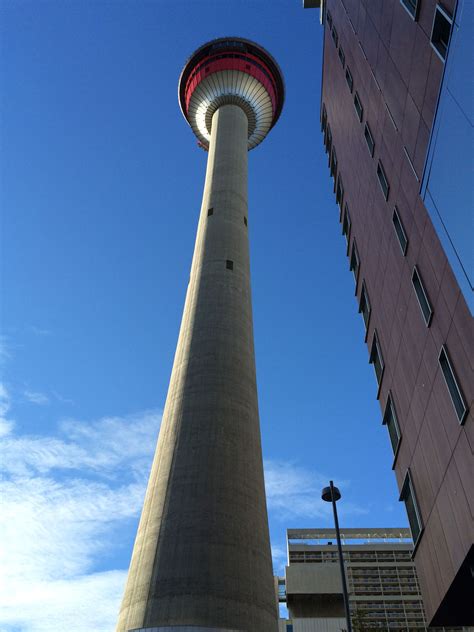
x,y
201,560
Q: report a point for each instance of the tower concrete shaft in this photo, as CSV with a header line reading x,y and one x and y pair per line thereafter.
x,y
202,553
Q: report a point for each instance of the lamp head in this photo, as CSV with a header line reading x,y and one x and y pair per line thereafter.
x,y
326,494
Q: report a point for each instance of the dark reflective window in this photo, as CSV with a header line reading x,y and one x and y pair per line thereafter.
x,y
376,358
333,164
383,180
391,421
422,297
451,382
346,225
411,6
339,191
400,231
342,57
358,106
354,261
329,19
364,305
349,79
441,32
411,505
369,139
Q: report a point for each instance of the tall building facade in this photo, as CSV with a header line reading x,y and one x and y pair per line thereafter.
x,y
383,587
396,117
201,559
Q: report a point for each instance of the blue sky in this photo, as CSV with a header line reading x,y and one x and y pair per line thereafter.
x,y
101,183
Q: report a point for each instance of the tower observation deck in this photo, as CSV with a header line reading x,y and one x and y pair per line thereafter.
x,y
201,560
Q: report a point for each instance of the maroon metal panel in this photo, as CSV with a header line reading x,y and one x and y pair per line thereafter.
x,y
397,76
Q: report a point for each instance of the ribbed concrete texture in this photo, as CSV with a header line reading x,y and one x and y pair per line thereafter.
x,y
202,553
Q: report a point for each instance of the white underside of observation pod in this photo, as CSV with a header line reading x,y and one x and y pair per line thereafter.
x,y
230,86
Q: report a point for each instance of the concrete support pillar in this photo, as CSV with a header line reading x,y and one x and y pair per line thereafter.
x,y
202,553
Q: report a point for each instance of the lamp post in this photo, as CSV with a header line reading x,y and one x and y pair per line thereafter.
x,y
331,494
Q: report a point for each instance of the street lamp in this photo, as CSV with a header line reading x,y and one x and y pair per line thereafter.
x,y
331,494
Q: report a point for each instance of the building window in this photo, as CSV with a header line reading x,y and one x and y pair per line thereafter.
x,y
453,387
346,225
400,231
245,220
411,505
364,305
229,264
335,36
411,6
383,180
328,142
358,106
289,627
390,420
369,139
354,262
333,170
324,119
339,191
441,32
210,211
422,297
349,79
376,358
342,57
329,19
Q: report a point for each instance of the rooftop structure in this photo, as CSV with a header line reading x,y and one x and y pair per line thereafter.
x,y
201,559
384,592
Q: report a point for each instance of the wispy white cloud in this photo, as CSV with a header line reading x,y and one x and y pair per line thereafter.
x,y
63,497
294,494
39,331
279,558
6,425
61,398
36,397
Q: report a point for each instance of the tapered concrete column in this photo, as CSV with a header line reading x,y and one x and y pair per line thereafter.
x,y
202,553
